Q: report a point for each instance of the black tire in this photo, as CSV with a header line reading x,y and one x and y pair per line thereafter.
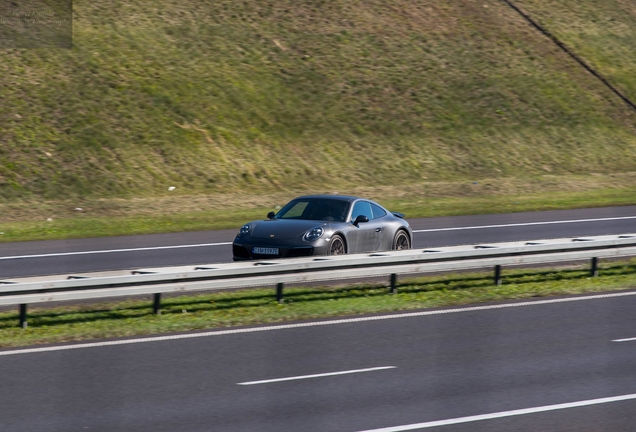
x,y
337,246
401,241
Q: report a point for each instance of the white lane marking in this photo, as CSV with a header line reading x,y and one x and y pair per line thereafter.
x,y
316,375
229,243
503,414
313,324
625,340
525,224
112,250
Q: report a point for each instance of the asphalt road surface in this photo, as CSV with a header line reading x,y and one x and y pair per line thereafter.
x,y
130,252
540,365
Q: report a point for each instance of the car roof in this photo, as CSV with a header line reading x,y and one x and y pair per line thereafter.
x,y
334,197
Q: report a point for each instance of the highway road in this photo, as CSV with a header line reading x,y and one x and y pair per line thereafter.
x,y
541,365
562,364
130,252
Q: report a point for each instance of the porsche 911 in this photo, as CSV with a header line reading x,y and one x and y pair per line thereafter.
x,y
323,225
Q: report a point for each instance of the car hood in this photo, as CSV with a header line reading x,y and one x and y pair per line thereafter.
x,y
283,228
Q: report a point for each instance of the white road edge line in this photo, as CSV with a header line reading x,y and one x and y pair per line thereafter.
x,y
503,414
112,250
316,375
625,340
524,224
312,324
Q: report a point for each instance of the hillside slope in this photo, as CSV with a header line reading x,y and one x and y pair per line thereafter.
x,y
221,95
601,33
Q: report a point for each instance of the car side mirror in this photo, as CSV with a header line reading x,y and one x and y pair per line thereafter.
x,y
360,219
271,215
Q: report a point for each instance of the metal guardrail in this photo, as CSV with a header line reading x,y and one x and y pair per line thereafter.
x,y
298,270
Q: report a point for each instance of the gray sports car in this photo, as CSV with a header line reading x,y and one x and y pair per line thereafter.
x,y
323,225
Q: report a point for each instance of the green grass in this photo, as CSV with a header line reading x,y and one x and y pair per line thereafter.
x,y
93,225
257,306
602,36
218,96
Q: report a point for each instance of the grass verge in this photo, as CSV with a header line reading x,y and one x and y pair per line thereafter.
x,y
103,217
258,306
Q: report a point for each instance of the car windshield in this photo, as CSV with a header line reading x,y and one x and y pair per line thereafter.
x,y
323,209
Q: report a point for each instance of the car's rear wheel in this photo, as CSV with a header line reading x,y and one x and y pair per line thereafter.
x,y
401,241
337,246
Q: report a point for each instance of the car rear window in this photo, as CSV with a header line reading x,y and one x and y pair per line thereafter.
x,y
378,211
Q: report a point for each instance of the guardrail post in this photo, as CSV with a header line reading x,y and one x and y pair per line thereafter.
x,y
156,304
498,275
594,269
23,316
393,283
279,292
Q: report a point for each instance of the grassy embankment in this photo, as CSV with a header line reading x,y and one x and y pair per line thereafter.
x,y
435,107
208,311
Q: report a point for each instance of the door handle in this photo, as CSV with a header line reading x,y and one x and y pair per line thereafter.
x,y
378,229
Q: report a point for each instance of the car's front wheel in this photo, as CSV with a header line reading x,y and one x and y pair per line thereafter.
x,y
337,246
401,241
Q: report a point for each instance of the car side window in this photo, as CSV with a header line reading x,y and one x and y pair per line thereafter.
x,y
378,211
362,208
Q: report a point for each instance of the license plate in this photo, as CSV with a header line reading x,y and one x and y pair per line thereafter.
x,y
265,251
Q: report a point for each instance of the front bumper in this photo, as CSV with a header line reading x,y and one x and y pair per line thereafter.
x,y
242,249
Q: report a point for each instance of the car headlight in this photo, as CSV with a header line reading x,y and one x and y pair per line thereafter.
x,y
244,230
313,234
